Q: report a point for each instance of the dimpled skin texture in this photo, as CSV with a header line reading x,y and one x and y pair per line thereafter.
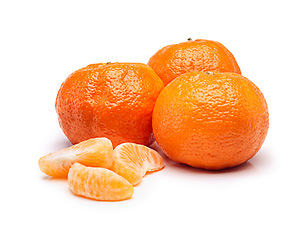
x,y
199,55
114,100
210,121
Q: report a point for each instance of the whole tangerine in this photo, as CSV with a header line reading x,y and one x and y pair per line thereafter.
x,y
210,120
193,55
113,100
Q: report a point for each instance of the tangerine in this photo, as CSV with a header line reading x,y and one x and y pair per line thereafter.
x,y
210,120
193,55
114,100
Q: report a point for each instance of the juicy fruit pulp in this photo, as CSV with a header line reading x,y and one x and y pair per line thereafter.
x,y
132,161
97,171
98,183
210,120
96,152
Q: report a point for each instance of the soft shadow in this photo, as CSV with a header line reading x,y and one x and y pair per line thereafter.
x,y
262,159
52,179
244,167
59,144
95,200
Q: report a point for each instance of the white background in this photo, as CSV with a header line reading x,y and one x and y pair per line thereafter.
x,y
43,42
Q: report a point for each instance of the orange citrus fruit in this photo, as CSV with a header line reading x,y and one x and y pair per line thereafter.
x,y
210,120
132,161
114,100
199,55
98,183
96,152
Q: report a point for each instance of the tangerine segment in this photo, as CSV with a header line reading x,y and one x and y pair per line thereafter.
x,y
98,183
132,161
95,152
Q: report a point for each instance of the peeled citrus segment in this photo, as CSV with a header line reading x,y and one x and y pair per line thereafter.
x,y
95,152
132,161
98,183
